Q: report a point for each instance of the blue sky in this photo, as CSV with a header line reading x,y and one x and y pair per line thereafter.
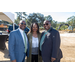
x,y
57,16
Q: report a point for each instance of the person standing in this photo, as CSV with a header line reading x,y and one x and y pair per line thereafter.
x,y
50,44
18,44
34,39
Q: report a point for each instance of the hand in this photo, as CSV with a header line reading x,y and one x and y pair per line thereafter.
x,y
13,60
53,59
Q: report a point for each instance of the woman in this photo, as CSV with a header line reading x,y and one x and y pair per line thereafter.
x,y
34,39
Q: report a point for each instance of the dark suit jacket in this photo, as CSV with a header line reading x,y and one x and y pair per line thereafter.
x,y
51,46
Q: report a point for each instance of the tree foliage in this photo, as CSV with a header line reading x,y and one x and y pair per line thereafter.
x,y
71,21
39,18
21,15
35,17
49,18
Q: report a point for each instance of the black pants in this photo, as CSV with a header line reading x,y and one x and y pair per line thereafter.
x,y
34,58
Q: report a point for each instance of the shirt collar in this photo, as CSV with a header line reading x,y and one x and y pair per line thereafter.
x,y
49,29
21,30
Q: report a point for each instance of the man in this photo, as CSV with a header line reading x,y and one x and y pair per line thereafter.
x,y
27,30
50,44
18,44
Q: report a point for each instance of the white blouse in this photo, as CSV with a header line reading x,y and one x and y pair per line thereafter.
x,y
34,42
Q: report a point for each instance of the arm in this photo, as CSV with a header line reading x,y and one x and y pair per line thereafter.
x,y
11,46
27,54
56,45
28,50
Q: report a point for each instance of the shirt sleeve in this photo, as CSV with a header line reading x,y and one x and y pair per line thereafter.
x,y
11,46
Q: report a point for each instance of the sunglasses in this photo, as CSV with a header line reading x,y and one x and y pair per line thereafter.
x,y
23,23
45,24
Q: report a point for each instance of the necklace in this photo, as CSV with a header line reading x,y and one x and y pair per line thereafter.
x,y
35,35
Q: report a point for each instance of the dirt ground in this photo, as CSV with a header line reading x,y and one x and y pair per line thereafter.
x,y
67,47
4,54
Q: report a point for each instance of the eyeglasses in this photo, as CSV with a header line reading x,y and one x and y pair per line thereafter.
x,y
45,24
23,23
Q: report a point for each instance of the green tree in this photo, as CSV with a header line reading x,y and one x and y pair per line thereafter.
x,y
54,24
62,26
21,15
35,17
48,18
17,20
40,19
71,21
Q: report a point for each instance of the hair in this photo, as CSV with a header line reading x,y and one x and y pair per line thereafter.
x,y
32,27
47,21
22,21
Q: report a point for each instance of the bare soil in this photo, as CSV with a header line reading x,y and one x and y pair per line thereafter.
x,y
67,47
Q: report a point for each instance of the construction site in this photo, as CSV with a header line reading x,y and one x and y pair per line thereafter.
x,y
67,47
67,42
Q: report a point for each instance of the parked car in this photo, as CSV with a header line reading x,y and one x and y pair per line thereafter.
x,y
10,28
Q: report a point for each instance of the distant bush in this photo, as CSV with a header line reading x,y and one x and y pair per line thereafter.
x,y
41,28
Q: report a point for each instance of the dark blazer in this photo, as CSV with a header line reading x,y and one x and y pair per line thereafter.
x,y
51,46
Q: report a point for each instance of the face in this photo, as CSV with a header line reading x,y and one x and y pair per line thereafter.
x,y
47,25
34,28
22,25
